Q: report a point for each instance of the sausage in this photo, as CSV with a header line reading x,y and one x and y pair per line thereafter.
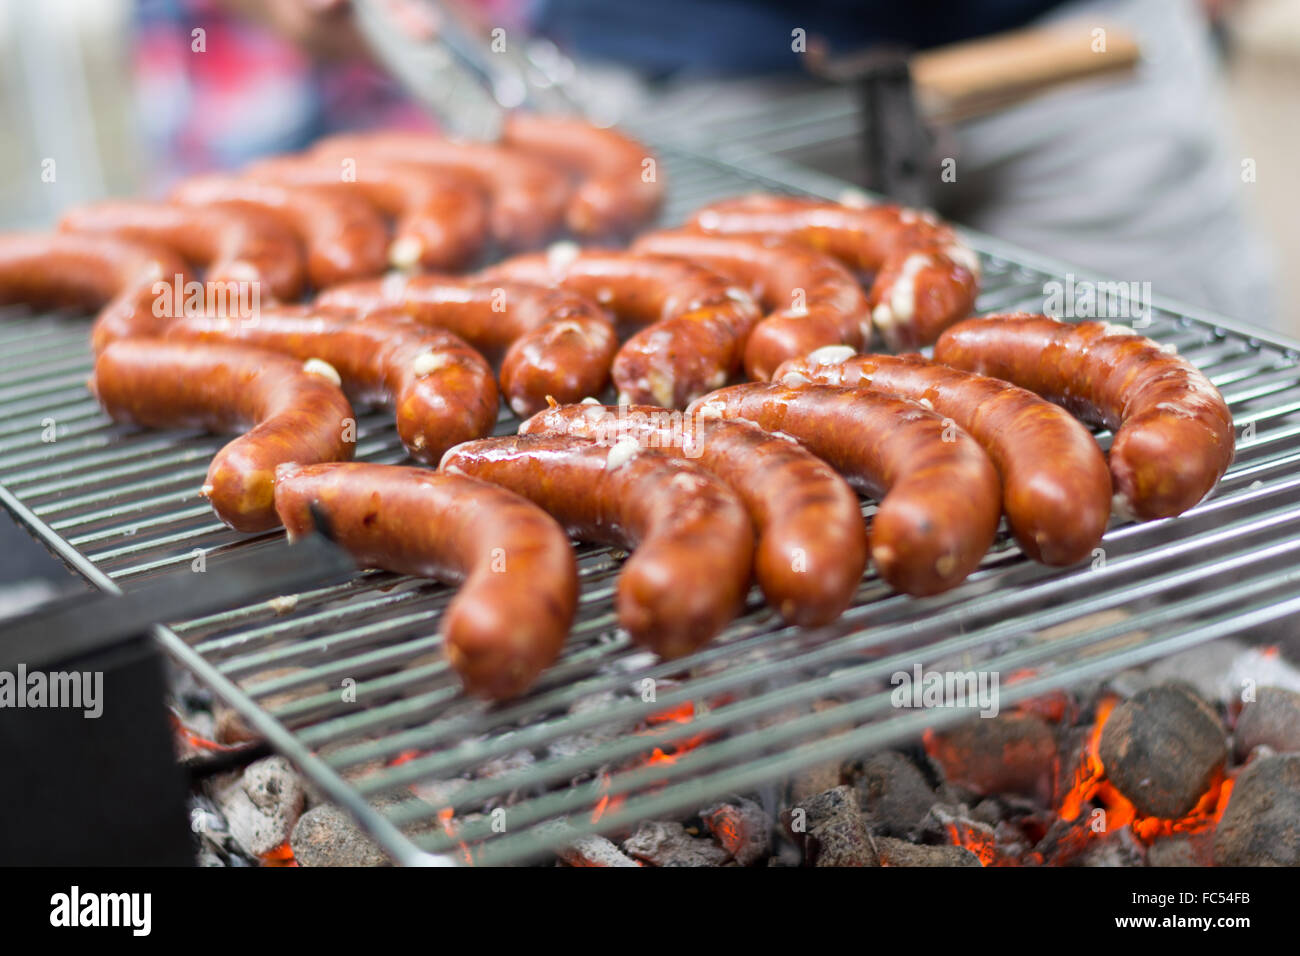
x,y
812,545
1056,488
442,390
925,277
527,196
233,245
125,280
515,566
620,189
555,343
699,322
1174,435
691,538
291,412
440,218
940,500
344,237
812,300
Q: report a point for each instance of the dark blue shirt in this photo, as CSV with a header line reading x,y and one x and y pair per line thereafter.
x,y
737,37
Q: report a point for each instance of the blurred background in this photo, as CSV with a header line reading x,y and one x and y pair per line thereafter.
x,y
1169,160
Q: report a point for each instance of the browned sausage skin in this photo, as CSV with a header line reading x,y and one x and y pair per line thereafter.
x,y
527,196
291,412
344,237
1055,485
691,538
620,190
925,277
1174,436
515,566
940,499
812,545
440,218
233,245
812,300
698,322
117,276
556,343
442,391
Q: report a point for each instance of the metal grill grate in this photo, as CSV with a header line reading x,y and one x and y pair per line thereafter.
x,y
592,749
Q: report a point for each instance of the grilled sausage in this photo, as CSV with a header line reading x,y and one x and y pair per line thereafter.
x,y
233,245
1174,436
442,390
515,566
620,188
691,538
527,196
440,219
291,412
127,281
343,236
925,277
812,546
940,500
699,322
1055,486
812,300
555,343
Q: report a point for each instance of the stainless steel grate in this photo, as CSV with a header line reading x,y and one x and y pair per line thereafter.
x,y
348,681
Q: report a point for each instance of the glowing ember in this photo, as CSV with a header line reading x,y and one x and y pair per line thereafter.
x,y
1091,786
982,844
406,756
448,827
282,855
195,741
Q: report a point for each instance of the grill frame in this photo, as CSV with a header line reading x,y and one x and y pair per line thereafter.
x,y
43,362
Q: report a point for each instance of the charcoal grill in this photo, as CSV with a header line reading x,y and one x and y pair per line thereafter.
x,y
348,681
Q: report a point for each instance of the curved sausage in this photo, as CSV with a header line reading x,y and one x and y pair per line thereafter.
x,y
812,546
812,300
119,277
939,495
442,390
698,322
515,566
233,245
527,196
556,343
343,236
1174,436
620,189
925,277
691,538
440,219
1055,485
291,412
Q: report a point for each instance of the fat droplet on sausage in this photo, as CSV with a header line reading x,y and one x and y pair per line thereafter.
x,y
405,253
855,199
831,355
623,451
561,255
315,366
427,362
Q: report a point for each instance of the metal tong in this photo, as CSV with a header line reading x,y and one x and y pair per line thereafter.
x,y
465,71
